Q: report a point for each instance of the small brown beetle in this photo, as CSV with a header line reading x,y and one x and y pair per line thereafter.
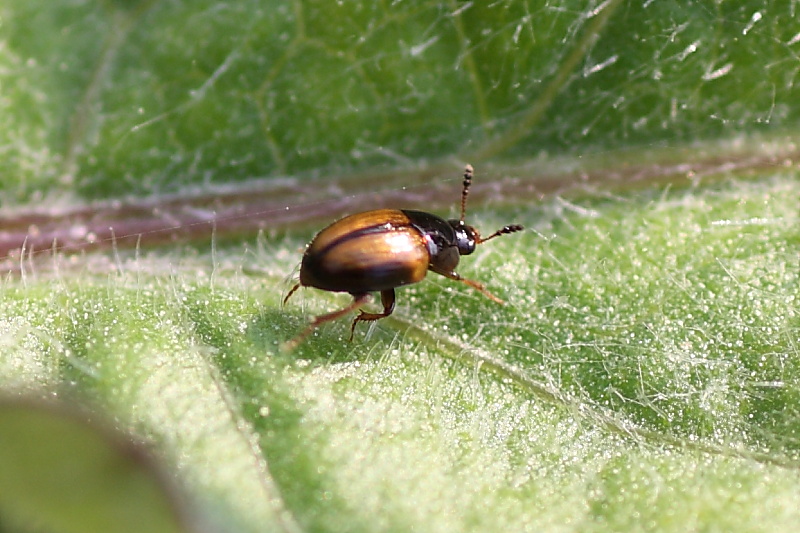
x,y
384,249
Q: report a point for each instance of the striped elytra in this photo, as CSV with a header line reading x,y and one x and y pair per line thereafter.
x,y
367,252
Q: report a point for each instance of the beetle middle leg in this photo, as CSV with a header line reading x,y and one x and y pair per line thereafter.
x,y
387,299
474,284
358,301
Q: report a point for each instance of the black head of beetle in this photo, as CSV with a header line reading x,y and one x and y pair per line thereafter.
x,y
466,237
378,251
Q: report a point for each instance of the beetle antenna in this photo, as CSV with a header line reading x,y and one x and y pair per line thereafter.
x,y
505,230
465,190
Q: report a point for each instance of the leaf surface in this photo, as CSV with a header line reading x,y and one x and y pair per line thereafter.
x,y
642,374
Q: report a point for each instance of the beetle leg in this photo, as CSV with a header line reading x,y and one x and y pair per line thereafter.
x,y
474,284
290,293
358,300
387,299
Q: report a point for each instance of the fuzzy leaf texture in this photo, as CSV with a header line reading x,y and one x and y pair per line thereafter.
x,y
642,376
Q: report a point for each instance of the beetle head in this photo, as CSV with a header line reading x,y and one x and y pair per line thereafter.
x,y
466,236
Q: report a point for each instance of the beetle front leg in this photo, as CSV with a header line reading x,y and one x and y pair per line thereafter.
x,y
387,299
474,284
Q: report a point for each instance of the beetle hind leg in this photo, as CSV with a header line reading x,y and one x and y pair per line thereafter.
x,y
291,291
387,299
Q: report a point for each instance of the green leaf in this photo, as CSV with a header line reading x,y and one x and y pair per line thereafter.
x,y
642,374
148,96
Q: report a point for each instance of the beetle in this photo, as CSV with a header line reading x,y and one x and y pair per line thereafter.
x,y
380,250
